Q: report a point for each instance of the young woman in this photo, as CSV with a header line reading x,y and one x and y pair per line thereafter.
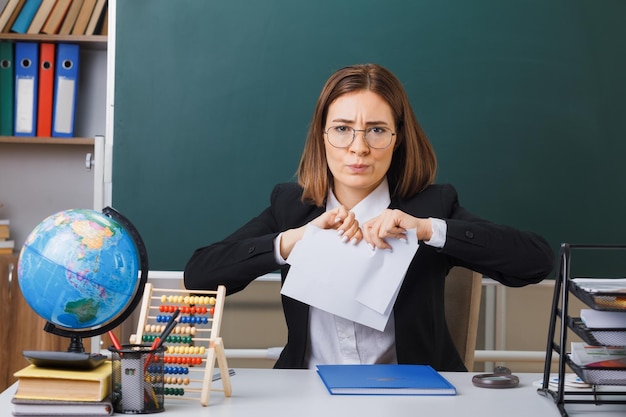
x,y
366,153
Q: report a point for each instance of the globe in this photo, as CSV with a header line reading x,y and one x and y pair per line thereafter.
x,y
79,270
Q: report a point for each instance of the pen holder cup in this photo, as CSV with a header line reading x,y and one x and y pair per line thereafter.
x,y
137,379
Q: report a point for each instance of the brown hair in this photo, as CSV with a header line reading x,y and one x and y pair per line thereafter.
x,y
413,165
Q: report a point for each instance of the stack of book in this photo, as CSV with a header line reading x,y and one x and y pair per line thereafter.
x,y
43,391
6,245
51,17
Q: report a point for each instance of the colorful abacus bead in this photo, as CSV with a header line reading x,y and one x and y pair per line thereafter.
x,y
167,309
176,370
176,380
174,391
155,369
163,318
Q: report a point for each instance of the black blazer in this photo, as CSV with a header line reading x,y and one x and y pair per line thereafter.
x,y
512,257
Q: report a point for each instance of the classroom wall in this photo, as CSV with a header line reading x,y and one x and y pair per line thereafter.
x,y
526,318
523,102
40,180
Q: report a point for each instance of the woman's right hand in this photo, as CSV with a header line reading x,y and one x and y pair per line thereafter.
x,y
339,219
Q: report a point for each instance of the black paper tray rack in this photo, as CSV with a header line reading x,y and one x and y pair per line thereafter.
x,y
597,337
599,376
606,301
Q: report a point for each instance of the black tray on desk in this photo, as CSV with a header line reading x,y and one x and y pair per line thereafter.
x,y
600,300
599,376
597,337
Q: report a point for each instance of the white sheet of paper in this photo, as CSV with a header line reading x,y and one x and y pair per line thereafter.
x,y
349,281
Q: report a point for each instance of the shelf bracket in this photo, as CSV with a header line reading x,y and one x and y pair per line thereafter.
x,y
88,161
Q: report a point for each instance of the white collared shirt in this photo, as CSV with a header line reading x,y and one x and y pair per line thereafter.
x,y
335,340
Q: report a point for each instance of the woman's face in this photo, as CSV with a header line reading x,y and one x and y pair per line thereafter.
x,y
358,169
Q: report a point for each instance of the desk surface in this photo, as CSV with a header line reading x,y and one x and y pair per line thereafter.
x,y
301,393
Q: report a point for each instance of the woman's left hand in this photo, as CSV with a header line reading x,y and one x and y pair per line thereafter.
x,y
393,224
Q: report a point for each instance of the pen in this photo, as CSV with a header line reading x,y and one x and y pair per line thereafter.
x,y
168,329
160,339
116,342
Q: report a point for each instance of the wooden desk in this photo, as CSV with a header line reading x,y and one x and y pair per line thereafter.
x,y
301,393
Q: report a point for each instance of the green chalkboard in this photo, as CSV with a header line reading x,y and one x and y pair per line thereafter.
x,y
523,102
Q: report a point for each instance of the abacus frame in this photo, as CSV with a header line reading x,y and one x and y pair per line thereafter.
x,y
213,345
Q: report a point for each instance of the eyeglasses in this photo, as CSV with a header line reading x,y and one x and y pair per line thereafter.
x,y
376,137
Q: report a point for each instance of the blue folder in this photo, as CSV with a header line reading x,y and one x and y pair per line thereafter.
x,y
65,90
26,82
384,380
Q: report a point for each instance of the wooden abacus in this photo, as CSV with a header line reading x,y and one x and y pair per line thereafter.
x,y
194,344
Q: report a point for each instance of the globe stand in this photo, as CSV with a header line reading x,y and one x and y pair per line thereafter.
x,y
76,344
76,357
64,360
